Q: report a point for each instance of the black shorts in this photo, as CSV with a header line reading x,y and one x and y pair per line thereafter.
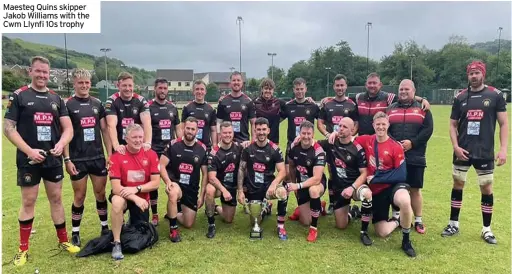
x,y
96,167
415,176
31,176
257,194
136,214
382,201
233,201
188,198
303,195
479,164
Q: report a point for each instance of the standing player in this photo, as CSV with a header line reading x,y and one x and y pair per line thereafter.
x,y
472,126
37,123
205,115
182,164
84,155
124,108
270,107
332,110
412,127
237,108
386,177
165,124
256,178
306,162
132,175
223,162
296,111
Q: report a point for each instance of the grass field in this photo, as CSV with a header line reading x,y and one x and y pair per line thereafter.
x,y
335,251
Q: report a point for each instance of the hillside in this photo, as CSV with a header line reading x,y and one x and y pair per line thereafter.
x,y
18,51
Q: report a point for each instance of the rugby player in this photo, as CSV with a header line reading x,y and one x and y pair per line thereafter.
x,y
256,178
223,163
84,156
237,108
182,165
472,126
133,176
37,122
306,162
124,108
332,110
387,177
165,124
205,115
412,126
270,107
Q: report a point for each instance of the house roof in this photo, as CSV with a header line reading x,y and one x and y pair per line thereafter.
x,y
176,74
198,76
218,77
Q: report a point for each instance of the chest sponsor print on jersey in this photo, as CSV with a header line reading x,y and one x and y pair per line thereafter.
x,y
43,118
86,122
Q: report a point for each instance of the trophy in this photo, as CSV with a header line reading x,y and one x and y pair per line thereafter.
x,y
255,209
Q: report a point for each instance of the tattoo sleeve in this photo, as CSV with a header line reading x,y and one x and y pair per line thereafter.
x,y
9,126
241,174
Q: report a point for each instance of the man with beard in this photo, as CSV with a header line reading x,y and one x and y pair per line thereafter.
x,y
237,108
165,124
182,164
297,111
37,123
387,175
256,178
223,162
205,115
332,110
412,127
472,126
306,162
124,108
84,156
133,175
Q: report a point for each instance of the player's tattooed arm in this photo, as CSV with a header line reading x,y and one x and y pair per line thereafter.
x,y
241,174
9,127
12,135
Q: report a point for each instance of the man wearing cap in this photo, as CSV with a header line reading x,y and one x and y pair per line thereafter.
x,y
472,125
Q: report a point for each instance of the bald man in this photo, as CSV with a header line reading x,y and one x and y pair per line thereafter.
x,y
412,127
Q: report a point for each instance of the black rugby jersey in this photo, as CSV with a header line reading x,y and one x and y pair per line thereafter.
x,y
225,163
306,159
368,106
127,112
206,118
164,119
85,115
261,165
239,111
37,121
332,111
296,113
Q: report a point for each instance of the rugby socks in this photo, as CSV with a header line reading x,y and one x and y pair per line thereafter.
x,y
76,218
395,212
62,234
173,223
315,211
405,234
366,214
153,199
101,208
210,213
487,203
25,229
418,219
281,212
331,195
455,207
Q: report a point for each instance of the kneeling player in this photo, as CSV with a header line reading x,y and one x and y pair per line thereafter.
x,y
347,168
306,161
223,162
256,179
181,166
133,175
387,176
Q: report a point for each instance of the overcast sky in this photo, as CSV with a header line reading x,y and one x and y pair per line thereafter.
x,y
203,36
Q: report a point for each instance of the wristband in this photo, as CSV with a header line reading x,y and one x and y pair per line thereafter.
x,y
352,186
66,159
300,185
327,135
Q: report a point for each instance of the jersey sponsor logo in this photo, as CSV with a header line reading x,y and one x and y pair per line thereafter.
x,y
43,118
200,123
258,167
186,168
136,176
236,116
164,123
337,119
230,168
302,170
475,114
88,121
145,162
340,163
299,120
127,121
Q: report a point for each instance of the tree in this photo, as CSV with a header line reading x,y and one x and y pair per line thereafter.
x,y
212,92
11,81
278,73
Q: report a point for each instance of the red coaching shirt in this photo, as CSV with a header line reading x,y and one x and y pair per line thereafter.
x,y
391,155
134,169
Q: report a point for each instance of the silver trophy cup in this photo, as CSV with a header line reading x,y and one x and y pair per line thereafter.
x,y
255,209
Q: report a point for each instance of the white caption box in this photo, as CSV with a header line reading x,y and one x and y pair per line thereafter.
x,y
28,16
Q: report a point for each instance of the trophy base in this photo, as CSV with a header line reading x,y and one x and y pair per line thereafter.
x,y
256,235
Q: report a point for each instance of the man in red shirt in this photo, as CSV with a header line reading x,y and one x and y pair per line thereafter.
x,y
134,175
386,178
